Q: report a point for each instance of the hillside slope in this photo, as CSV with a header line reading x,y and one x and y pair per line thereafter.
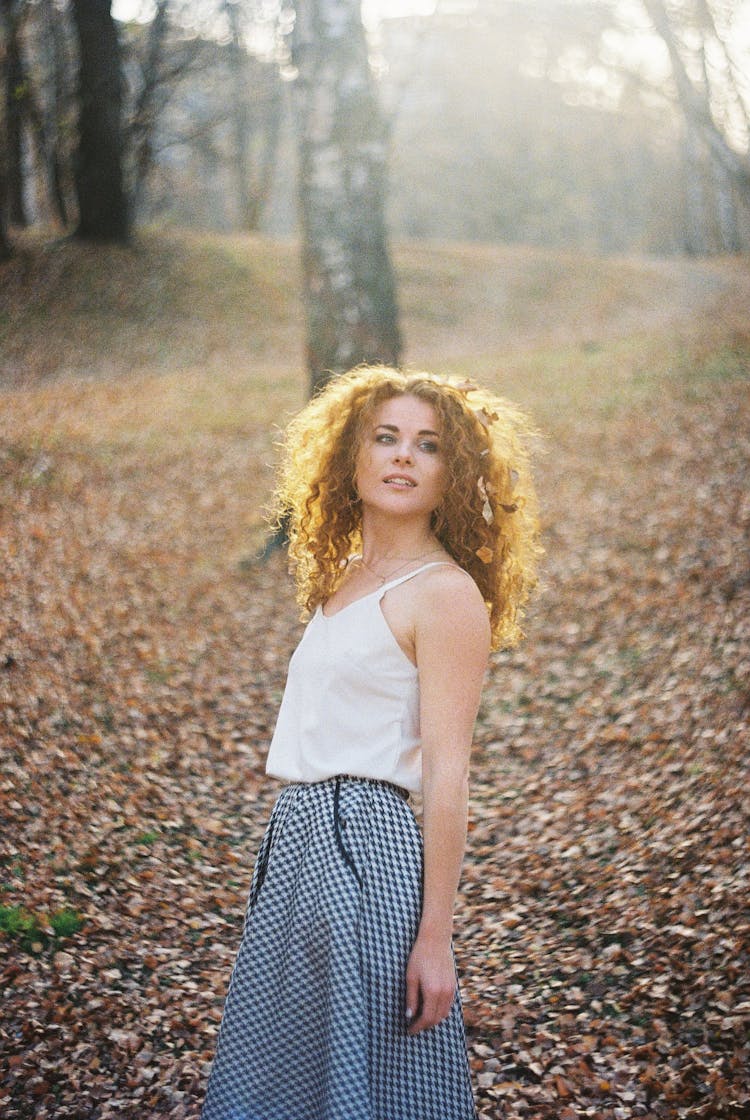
x,y
186,301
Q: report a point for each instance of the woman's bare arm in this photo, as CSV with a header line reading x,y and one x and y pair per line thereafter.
x,y
452,641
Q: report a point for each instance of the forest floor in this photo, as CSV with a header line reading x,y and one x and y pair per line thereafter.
x,y
603,930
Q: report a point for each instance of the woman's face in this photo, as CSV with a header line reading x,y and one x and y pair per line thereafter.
x,y
401,461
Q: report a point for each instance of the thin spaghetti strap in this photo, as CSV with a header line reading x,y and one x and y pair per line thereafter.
x,y
416,572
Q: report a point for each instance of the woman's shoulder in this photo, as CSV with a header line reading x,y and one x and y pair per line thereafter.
x,y
446,575
449,613
449,589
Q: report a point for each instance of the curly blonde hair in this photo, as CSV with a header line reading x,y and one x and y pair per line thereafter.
x,y
487,521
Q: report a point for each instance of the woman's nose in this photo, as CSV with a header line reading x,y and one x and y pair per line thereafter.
x,y
402,454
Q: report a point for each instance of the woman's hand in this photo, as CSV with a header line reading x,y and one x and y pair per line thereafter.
x,y
430,983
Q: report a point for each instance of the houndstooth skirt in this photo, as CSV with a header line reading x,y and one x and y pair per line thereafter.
x,y
313,1025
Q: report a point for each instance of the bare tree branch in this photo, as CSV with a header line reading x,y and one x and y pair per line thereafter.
x,y
695,102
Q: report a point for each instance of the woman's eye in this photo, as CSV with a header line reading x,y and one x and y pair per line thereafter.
x,y
384,437
429,446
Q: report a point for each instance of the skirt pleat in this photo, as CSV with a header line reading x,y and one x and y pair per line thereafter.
x,y
314,1025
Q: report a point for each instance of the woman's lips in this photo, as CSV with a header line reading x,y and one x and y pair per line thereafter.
x,y
399,480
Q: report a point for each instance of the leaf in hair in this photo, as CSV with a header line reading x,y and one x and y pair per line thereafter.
x,y
484,417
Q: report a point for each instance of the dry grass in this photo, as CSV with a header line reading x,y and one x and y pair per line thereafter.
x,y
187,332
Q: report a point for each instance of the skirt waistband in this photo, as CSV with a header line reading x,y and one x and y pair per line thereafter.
x,y
338,778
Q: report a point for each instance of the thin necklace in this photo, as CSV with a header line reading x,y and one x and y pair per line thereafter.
x,y
390,575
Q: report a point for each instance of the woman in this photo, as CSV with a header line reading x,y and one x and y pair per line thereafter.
x,y
413,537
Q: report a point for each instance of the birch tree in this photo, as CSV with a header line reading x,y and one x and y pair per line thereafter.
x,y
348,280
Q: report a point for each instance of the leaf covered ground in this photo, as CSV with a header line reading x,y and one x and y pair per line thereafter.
x,y
603,929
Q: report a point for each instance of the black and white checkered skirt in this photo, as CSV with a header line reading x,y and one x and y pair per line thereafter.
x,y
313,1025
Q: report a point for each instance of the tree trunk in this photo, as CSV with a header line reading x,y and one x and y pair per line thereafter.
x,y
271,113
696,208
238,76
695,102
348,280
102,206
6,250
43,134
5,246
147,106
57,69
14,93
265,131
730,240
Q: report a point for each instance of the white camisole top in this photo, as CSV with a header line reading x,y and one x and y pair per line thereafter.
x,y
351,702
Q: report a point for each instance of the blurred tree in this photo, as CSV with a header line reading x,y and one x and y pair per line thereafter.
x,y
55,121
148,103
35,79
240,116
14,93
348,280
5,246
6,249
203,114
102,204
543,122
715,108
256,108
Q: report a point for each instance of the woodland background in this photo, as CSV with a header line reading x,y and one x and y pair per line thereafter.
x,y
563,218
601,124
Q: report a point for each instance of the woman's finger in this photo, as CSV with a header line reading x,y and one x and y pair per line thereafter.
x,y
412,999
435,1008
429,1013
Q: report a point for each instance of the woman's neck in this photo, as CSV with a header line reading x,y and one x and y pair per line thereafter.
x,y
384,541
